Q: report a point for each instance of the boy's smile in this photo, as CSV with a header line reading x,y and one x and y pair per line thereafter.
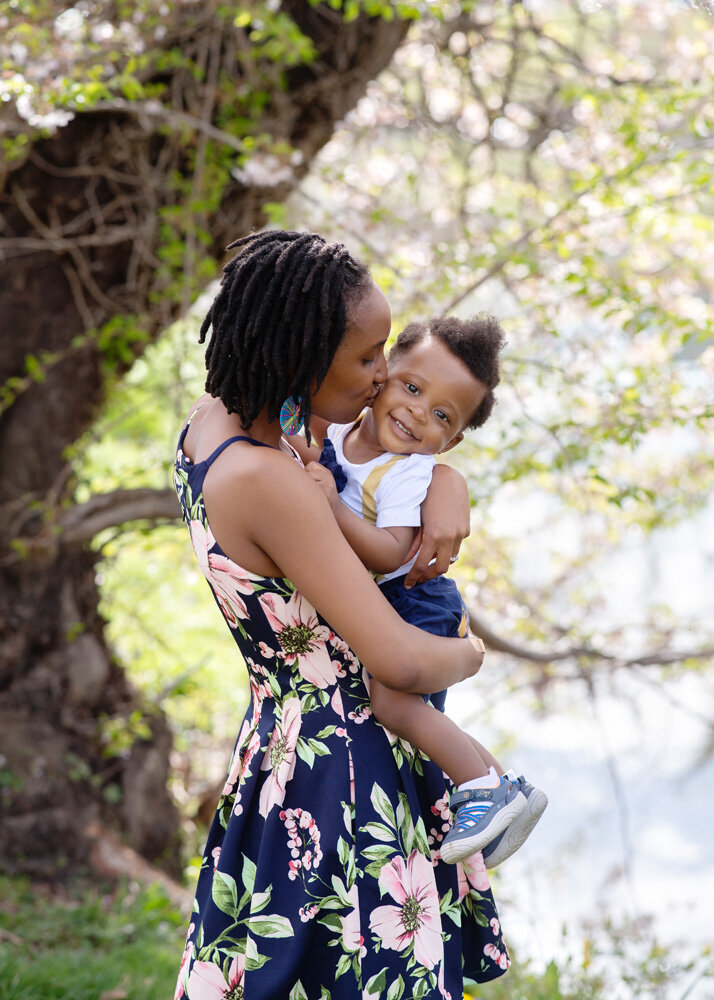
x,y
428,399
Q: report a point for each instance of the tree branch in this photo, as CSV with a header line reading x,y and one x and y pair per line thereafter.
x,y
663,657
80,524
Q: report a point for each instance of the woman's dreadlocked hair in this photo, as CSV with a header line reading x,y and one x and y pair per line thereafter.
x,y
277,320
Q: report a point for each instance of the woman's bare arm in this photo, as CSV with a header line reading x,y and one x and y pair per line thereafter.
x,y
270,501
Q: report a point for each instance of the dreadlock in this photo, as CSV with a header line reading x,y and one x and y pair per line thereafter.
x,y
476,342
277,320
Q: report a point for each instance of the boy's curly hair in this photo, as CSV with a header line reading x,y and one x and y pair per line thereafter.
x,y
476,342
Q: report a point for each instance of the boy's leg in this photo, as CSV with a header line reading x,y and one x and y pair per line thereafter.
x,y
411,718
486,756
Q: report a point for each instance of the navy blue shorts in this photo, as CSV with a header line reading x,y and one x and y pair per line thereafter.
x,y
435,606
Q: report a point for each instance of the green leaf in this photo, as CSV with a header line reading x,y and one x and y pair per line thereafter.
x,y
379,832
305,752
382,805
224,893
396,990
298,992
377,984
270,925
343,850
248,873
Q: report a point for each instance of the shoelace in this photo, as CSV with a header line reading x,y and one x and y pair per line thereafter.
x,y
470,814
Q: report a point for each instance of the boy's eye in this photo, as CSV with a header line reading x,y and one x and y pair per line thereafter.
x,y
441,415
411,388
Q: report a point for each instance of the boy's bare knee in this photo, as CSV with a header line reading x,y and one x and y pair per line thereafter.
x,y
391,708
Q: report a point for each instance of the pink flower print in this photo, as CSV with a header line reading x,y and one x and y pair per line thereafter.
x,y
352,940
302,639
280,756
441,807
216,855
336,702
360,714
303,841
415,918
266,651
227,580
307,912
475,871
495,926
499,957
240,765
206,981
440,983
185,959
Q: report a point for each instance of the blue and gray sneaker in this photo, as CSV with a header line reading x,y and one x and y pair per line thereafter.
x,y
481,815
515,835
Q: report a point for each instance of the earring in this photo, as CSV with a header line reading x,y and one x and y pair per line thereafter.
x,y
290,419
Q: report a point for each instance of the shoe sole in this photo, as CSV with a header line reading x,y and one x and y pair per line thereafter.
x,y
464,847
520,830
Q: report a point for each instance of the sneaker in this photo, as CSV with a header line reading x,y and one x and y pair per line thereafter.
x,y
481,815
515,835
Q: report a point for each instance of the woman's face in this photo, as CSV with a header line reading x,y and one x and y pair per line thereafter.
x,y
359,366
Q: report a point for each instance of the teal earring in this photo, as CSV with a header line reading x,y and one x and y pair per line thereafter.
x,y
290,419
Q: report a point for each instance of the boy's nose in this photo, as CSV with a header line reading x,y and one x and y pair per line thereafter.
x,y
416,408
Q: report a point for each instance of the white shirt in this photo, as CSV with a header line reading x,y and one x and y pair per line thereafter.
x,y
387,491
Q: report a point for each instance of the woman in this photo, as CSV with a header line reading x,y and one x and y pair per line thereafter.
x,y
317,881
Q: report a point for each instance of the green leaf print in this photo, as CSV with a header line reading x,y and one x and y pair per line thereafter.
x,y
396,990
376,985
343,965
248,873
343,850
298,992
382,805
270,925
332,921
378,852
259,901
341,890
379,832
304,752
224,893
319,748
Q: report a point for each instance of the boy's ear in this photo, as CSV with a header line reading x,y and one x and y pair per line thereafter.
x,y
456,439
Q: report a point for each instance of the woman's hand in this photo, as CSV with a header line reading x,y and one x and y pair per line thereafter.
x,y
445,522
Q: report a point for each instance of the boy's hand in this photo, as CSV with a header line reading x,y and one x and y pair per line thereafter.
x,y
325,480
478,645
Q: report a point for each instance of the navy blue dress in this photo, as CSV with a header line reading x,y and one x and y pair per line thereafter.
x,y
321,877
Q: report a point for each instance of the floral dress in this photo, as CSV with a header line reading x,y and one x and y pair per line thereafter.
x,y
321,877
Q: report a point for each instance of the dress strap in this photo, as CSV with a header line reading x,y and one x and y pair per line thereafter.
x,y
222,447
186,427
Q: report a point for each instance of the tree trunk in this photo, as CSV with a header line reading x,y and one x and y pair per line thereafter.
x,y
84,241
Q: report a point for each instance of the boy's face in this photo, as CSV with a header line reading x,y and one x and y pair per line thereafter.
x,y
427,401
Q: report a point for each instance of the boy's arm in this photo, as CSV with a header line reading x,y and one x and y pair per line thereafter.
x,y
382,550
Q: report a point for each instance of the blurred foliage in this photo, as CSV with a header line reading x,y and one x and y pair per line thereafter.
x,y
550,162
87,942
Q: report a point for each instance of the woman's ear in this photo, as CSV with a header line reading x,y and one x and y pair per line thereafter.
x,y
456,439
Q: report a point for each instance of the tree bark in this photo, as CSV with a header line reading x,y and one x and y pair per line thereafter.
x,y
81,234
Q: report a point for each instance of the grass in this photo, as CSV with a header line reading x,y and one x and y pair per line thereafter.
x,y
87,943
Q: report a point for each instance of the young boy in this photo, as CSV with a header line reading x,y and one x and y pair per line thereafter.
x,y
375,474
